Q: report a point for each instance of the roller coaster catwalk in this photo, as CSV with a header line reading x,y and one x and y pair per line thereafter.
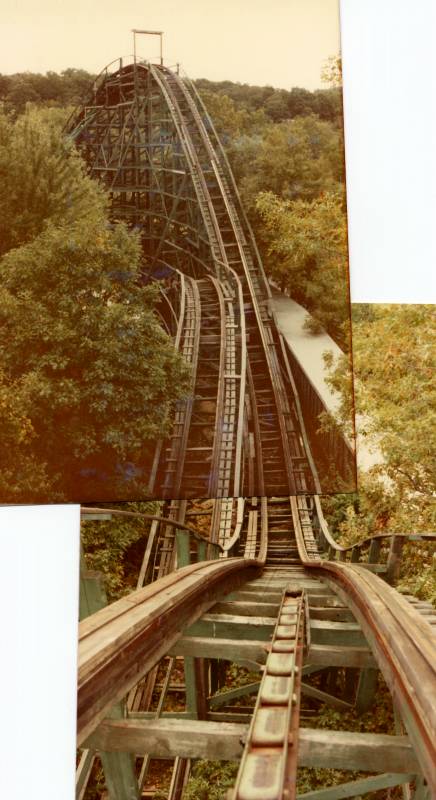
x,y
269,588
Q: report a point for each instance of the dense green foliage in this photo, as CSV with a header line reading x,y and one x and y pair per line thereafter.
x,y
395,396
279,104
65,89
289,168
116,547
88,377
283,145
307,255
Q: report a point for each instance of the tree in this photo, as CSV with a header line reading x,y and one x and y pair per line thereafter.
x,y
89,378
332,71
394,367
297,159
230,120
307,255
43,178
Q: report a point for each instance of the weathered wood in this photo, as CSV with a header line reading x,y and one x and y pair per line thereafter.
x,y
119,644
334,614
165,738
366,690
324,697
241,691
374,551
240,651
253,653
229,626
258,608
394,559
356,788
336,633
195,687
369,752
118,768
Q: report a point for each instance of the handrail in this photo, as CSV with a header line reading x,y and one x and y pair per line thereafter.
x,y
151,518
364,542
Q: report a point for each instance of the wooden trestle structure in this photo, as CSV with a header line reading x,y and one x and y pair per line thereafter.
x,y
268,588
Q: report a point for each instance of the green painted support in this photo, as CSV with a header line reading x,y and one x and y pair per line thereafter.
x,y
332,553
374,551
201,551
234,694
366,690
195,687
183,545
118,768
356,788
342,555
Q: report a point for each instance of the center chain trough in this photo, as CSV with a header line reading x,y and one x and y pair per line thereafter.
x,y
268,766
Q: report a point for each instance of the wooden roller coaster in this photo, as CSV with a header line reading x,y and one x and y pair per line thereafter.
x,y
268,588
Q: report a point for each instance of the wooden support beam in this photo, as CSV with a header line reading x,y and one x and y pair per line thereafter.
x,y
356,788
167,738
336,633
252,653
324,697
195,687
394,559
241,691
333,614
240,651
250,609
374,551
118,768
229,626
366,690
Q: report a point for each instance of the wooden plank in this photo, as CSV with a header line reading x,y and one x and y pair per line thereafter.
x,y
121,643
243,651
336,633
241,691
244,608
366,690
369,752
356,788
167,738
253,653
334,614
394,559
229,626
324,697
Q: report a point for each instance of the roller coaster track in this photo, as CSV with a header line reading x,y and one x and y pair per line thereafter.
x,y
270,589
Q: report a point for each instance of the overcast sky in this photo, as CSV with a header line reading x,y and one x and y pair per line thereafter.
x,y
278,42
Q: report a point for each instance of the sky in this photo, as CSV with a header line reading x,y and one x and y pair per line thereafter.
x,y
281,43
